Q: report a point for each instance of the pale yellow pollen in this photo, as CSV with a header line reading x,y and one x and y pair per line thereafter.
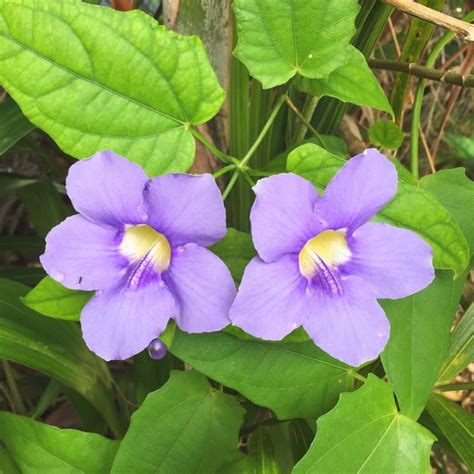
x,y
142,240
330,246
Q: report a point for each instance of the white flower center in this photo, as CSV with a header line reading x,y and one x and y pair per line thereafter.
x,y
143,242
327,250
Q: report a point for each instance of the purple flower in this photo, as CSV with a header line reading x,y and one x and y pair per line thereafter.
x,y
321,264
141,244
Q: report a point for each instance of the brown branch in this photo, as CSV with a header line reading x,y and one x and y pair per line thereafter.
x,y
123,5
448,77
461,28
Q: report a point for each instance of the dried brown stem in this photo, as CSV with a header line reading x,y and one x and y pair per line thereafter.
x,y
461,28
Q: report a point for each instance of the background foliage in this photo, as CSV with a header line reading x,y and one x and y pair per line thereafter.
x,y
298,94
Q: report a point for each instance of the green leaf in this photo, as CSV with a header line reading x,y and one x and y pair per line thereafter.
x,y
149,374
461,348
279,38
37,447
386,134
412,207
457,426
101,79
21,243
30,276
55,348
236,250
456,192
7,465
269,449
301,437
352,82
463,146
295,380
419,337
186,426
365,433
45,206
10,183
52,299
13,125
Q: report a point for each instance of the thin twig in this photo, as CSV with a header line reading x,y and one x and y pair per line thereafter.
x,y
448,77
293,107
461,28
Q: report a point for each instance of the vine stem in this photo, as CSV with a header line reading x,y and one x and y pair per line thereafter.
x,y
230,184
223,170
459,27
357,376
308,110
419,94
227,159
448,77
263,132
15,393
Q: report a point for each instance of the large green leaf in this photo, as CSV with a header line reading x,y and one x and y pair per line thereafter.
x,y
94,78
295,380
456,425
364,433
236,250
281,38
412,207
55,348
13,125
7,465
186,426
37,447
52,299
419,337
461,348
456,192
352,82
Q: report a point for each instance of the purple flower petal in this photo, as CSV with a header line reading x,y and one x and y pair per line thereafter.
x,y
186,208
351,327
358,191
282,216
203,288
395,262
107,189
83,256
121,322
272,299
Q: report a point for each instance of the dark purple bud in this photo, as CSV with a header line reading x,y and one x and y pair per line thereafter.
x,y
157,349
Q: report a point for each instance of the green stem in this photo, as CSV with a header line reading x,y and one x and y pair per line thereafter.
x,y
15,393
453,387
213,149
230,184
357,376
305,122
419,94
263,132
223,170
247,178
308,110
